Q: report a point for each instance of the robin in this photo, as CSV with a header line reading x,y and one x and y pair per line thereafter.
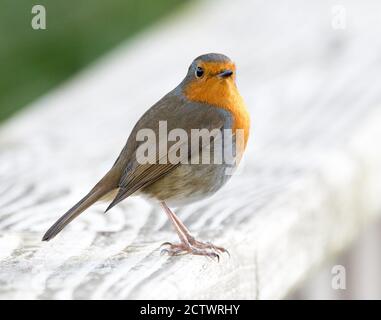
x,y
207,98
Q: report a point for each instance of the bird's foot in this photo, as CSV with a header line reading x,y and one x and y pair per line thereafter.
x,y
195,247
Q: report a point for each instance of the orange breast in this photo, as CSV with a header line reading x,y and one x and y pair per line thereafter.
x,y
223,94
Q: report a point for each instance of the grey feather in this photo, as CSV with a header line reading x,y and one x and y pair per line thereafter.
x,y
179,113
93,196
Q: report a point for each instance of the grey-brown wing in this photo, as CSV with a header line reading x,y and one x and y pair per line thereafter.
x,y
177,113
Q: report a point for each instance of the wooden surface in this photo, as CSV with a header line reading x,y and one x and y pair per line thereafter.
x,y
310,181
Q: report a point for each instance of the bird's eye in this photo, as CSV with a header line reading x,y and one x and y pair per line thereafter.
x,y
199,72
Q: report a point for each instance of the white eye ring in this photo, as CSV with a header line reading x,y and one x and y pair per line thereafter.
x,y
199,72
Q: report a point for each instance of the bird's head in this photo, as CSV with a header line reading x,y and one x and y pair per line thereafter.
x,y
210,79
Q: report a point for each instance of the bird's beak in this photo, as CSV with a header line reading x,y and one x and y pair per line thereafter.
x,y
225,74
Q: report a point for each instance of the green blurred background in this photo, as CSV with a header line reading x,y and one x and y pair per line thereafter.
x,y
77,32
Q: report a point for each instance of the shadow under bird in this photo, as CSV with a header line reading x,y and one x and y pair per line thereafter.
x,y
207,98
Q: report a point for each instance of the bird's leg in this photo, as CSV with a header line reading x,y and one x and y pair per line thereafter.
x,y
188,243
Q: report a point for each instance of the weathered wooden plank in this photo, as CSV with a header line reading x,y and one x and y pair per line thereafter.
x,y
309,181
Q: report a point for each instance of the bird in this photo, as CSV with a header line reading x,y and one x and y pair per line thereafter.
x,y
206,99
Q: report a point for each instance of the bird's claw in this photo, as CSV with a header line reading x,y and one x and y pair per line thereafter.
x,y
167,243
218,249
196,248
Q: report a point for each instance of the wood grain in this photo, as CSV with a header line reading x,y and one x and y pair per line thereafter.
x,y
310,180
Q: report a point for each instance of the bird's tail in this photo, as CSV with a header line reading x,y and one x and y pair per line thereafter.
x,y
93,196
